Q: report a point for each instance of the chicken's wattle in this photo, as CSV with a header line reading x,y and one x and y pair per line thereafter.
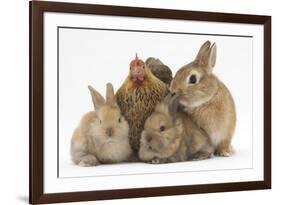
x,y
138,78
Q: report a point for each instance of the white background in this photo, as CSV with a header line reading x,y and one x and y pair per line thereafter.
x,y
97,57
14,104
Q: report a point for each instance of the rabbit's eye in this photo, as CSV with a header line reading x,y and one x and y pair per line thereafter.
x,y
162,128
192,79
119,120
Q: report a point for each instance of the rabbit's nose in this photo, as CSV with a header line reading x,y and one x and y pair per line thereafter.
x,y
148,138
109,132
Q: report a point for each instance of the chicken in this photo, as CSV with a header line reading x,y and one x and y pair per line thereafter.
x,y
160,70
137,98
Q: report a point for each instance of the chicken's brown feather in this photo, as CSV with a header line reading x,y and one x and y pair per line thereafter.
x,y
137,102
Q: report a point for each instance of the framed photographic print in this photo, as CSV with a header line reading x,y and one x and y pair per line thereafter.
x,y
136,102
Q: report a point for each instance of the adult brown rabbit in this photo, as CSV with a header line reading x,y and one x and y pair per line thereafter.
x,y
206,99
171,136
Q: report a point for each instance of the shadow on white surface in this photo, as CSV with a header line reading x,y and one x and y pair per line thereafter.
x,y
242,159
23,198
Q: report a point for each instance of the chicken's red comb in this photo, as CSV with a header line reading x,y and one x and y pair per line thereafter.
x,y
136,62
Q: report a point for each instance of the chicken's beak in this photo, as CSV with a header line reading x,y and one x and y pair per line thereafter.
x,y
134,72
137,74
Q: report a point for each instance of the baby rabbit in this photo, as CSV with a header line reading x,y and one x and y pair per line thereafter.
x,y
206,99
102,136
171,136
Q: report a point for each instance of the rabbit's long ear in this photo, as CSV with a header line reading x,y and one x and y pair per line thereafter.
x,y
163,107
206,56
204,49
167,98
110,94
173,106
212,56
97,98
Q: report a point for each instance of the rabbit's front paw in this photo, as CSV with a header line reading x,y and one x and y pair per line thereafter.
x,y
223,153
88,161
155,161
201,156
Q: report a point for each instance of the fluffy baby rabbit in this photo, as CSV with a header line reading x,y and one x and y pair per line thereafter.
x,y
206,99
102,136
171,136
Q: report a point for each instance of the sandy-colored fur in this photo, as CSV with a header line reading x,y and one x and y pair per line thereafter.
x,y
208,102
181,140
102,136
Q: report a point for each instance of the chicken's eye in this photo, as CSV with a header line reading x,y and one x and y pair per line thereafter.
x,y
162,128
119,120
